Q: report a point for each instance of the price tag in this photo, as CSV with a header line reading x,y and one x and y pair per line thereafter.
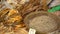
x,y
32,31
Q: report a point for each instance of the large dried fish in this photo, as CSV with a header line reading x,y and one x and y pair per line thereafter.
x,y
40,21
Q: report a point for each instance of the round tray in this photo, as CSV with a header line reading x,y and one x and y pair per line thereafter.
x,y
42,21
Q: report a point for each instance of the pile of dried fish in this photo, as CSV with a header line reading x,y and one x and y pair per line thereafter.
x,y
10,30
10,21
12,17
33,5
27,6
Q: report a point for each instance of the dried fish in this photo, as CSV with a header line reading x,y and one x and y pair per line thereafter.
x,y
10,21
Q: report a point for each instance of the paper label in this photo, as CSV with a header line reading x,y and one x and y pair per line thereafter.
x,y
32,31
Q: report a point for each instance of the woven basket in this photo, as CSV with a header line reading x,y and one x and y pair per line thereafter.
x,y
43,22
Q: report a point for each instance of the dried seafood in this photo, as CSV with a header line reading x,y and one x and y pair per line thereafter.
x,y
10,16
27,5
10,30
16,4
10,22
33,5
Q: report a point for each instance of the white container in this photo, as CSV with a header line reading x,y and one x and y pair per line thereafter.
x,y
54,3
